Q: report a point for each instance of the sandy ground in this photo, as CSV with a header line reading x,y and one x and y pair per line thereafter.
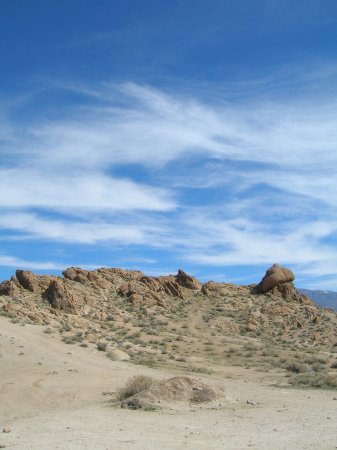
x,y
52,398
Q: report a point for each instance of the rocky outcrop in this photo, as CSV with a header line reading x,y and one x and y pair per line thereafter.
x,y
277,310
253,322
10,287
85,276
288,292
187,281
311,313
277,282
226,325
174,390
150,291
138,288
72,293
57,297
209,288
94,300
172,288
274,276
30,312
27,279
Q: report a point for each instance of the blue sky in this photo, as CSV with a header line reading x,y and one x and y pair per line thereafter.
x,y
160,135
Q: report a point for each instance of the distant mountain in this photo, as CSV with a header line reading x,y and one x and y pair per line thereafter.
x,y
326,299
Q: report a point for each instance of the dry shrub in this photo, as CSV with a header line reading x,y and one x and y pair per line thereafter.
x,y
315,360
324,381
101,346
134,385
294,366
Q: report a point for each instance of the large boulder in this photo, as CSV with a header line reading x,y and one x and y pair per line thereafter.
x,y
57,297
28,280
274,276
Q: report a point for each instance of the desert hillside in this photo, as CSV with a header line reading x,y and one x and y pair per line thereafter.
x,y
68,344
169,317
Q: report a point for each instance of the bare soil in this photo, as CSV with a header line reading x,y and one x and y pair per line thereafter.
x,y
59,396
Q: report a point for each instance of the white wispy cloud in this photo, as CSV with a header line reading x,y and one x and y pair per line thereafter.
x,y
265,170
152,128
71,231
73,190
12,261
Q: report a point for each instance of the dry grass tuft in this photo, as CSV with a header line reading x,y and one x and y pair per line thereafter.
x,y
134,385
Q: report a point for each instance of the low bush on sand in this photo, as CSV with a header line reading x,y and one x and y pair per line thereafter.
x,y
295,366
134,385
324,381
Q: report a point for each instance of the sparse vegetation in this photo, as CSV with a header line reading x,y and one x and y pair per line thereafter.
x,y
213,327
134,385
323,381
101,346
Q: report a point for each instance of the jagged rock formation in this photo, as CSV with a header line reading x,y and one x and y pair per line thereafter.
x,y
75,292
187,281
89,300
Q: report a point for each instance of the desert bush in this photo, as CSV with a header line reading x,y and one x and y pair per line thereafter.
x,y
101,346
69,340
251,347
318,367
323,381
146,360
295,366
270,352
15,320
197,369
134,385
333,365
315,359
181,359
135,335
150,332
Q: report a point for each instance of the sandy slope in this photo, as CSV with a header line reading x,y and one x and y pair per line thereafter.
x,y
51,396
